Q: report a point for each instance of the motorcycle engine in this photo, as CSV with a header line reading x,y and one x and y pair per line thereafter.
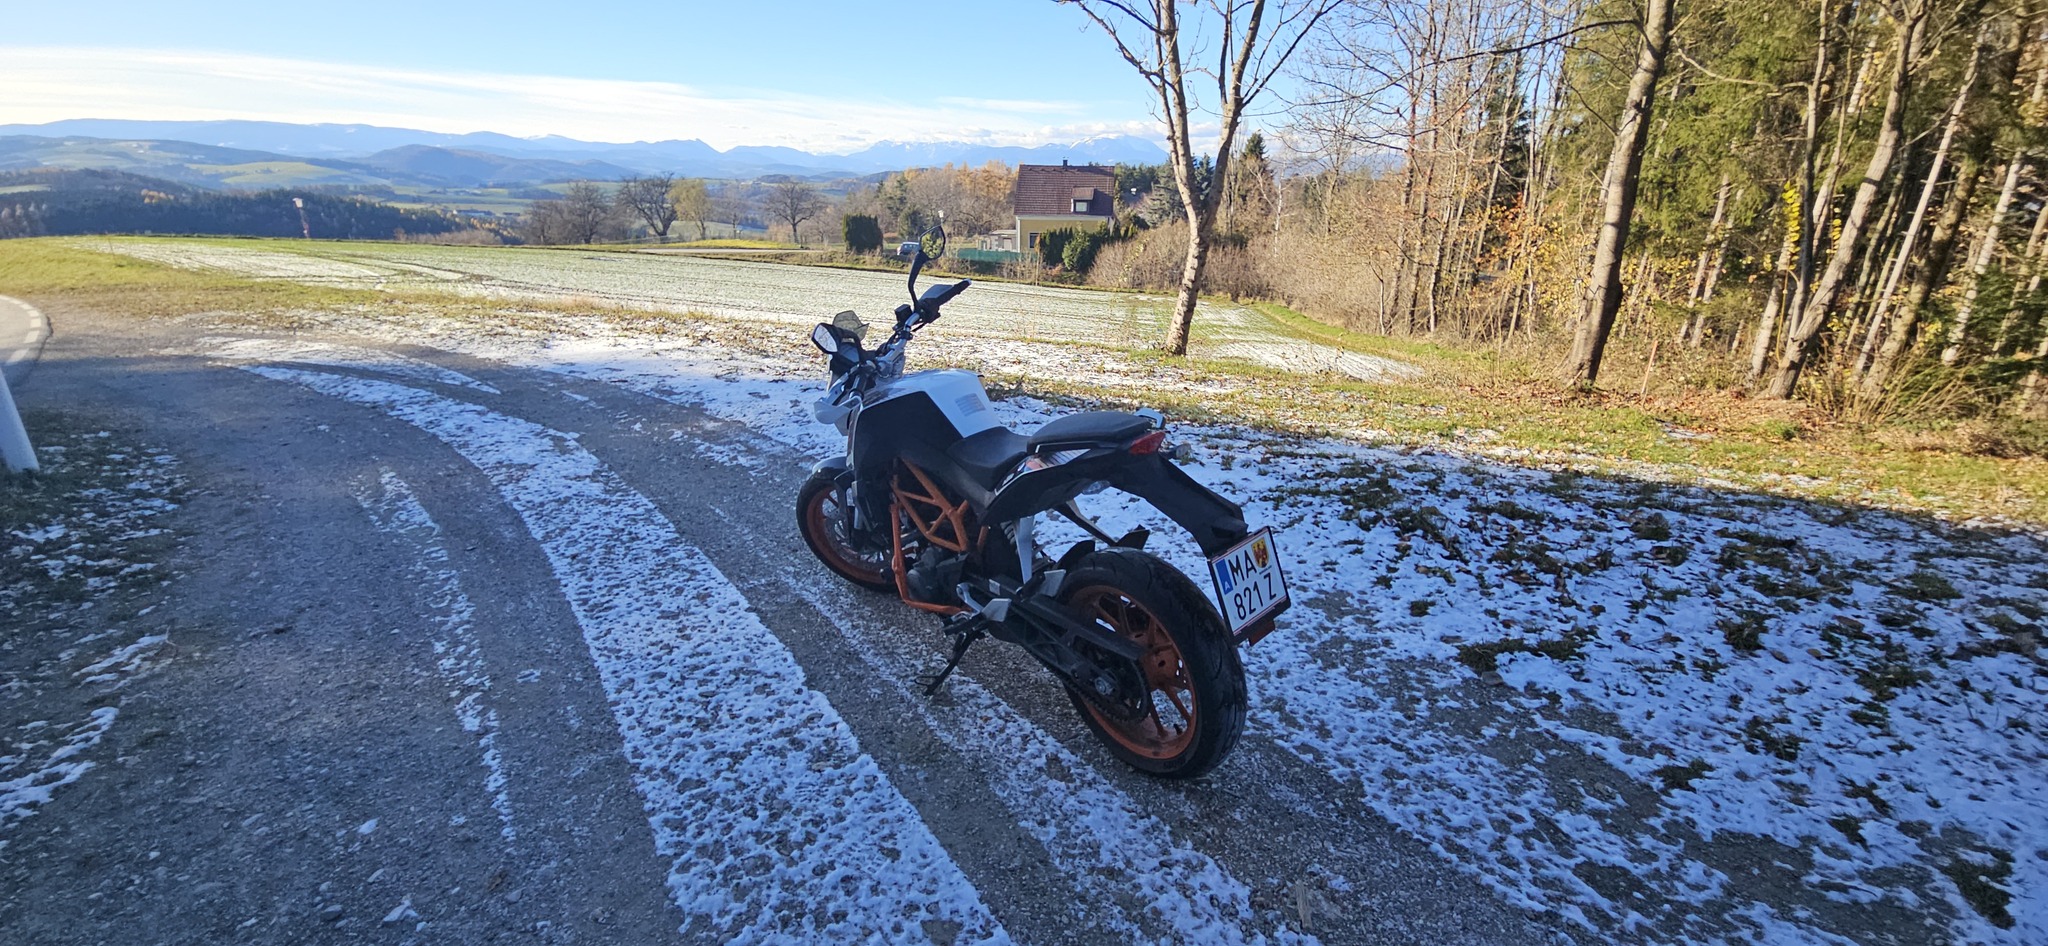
x,y
935,575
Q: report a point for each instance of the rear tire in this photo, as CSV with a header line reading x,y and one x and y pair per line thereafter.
x,y
1192,711
823,521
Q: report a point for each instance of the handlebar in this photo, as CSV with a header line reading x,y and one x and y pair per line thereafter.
x,y
886,360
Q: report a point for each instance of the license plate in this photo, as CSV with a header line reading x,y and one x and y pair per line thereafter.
x,y
1249,584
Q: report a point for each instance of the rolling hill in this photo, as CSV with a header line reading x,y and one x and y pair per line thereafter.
x,y
351,148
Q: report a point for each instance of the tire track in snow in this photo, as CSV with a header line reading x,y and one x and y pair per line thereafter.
x,y
1091,830
339,356
459,657
777,825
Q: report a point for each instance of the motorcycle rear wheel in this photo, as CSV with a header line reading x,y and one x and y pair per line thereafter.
x,y
824,522
1190,713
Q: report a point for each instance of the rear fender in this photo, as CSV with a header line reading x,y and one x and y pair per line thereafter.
x,y
1216,523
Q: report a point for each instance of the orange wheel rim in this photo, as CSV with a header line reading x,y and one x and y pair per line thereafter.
x,y
1167,726
829,519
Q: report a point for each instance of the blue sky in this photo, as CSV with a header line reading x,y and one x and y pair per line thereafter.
x,y
821,76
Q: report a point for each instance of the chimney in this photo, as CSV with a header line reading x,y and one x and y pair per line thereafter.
x,y
1063,162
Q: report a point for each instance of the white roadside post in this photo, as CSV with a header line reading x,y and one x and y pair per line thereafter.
x,y
14,448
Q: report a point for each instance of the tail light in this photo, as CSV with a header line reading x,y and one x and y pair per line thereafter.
x,y
1147,445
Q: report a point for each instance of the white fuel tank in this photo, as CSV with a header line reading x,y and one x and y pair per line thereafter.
x,y
958,394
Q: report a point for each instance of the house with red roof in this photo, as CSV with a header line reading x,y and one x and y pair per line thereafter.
x,y
1052,197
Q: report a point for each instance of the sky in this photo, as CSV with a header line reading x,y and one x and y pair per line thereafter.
x,y
825,77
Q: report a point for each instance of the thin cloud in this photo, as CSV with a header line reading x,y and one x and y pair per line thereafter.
x,y
43,84
1020,106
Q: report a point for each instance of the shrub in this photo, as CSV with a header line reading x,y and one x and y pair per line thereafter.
x,y
1083,247
863,234
1052,245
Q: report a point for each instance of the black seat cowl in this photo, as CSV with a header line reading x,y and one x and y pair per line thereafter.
x,y
1091,428
988,455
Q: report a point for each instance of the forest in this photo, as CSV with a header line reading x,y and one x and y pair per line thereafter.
x,y
1838,202
1832,200
52,202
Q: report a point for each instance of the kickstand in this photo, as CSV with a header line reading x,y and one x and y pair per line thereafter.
x,y
963,638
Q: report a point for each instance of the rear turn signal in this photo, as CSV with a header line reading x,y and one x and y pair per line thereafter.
x,y
1147,445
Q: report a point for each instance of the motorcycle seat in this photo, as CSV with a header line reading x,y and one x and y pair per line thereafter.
x,y
1088,429
987,455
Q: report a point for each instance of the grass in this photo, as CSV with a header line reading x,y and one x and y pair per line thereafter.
x,y
1676,777
1485,656
1528,420
1474,402
1983,886
46,270
1424,354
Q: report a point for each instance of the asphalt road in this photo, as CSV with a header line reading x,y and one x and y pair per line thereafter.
x,y
23,329
469,653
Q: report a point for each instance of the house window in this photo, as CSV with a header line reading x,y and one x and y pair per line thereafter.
x,y
1080,205
1034,241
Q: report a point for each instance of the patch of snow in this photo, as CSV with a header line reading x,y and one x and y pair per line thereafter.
x,y
339,356
1307,357
124,662
21,795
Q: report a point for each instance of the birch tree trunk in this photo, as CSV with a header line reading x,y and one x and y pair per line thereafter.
x,y
1987,242
2030,267
1603,291
1248,55
1980,260
1774,306
1907,243
1941,244
1709,261
1813,317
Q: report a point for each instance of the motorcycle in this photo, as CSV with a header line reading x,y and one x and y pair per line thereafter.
x,y
937,502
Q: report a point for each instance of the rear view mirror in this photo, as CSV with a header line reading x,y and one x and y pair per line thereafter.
x,y
933,241
826,339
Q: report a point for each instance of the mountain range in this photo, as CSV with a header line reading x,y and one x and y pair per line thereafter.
x,y
248,153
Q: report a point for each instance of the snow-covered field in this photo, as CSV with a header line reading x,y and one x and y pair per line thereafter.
x,y
1664,713
798,295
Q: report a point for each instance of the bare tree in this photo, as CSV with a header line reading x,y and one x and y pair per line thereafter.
x,y
647,199
544,223
735,203
793,202
587,214
1249,50
1618,197
692,201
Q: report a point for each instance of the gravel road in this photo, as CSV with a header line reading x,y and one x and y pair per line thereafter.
x,y
459,652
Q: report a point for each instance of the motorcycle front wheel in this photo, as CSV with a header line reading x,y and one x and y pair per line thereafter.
x,y
1185,710
827,527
